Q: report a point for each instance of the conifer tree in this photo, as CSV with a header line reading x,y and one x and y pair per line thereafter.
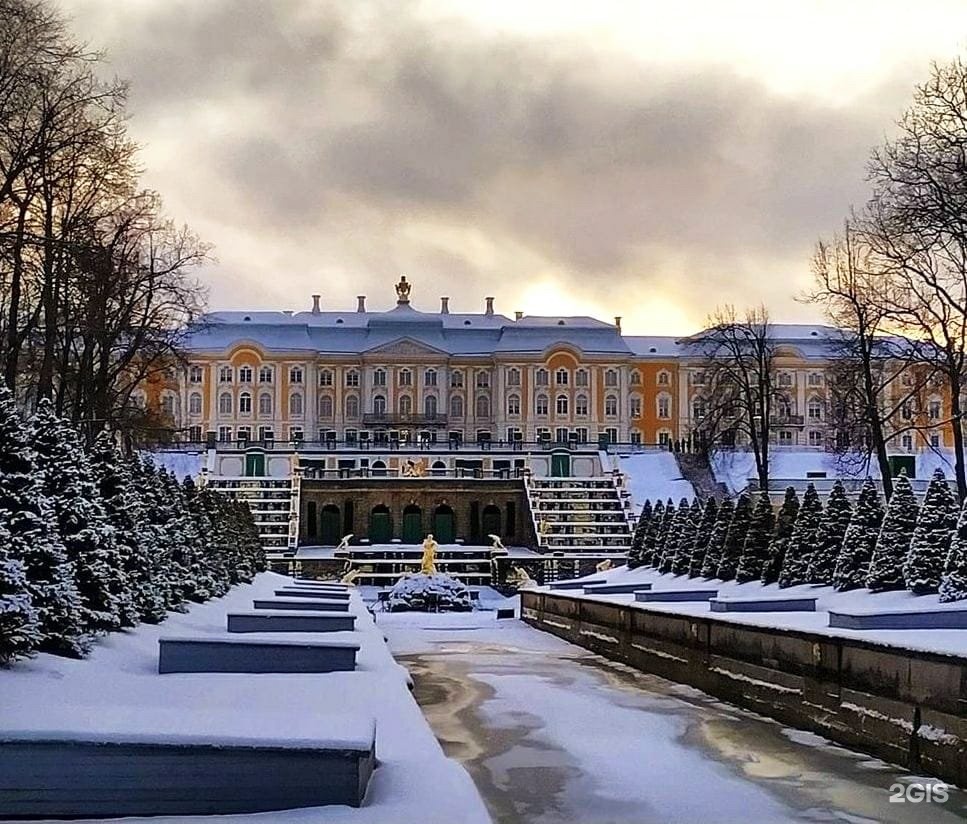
x,y
893,542
785,524
27,518
755,551
686,541
635,553
853,563
706,525
836,518
936,522
804,540
716,541
667,522
652,535
953,585
735,539
678,532
19,626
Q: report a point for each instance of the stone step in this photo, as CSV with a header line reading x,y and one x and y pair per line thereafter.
x,y
312,593
311,604
615,589
233,654
676,595
937,618
777,603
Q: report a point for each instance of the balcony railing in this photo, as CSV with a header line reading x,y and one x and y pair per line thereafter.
x,y
787,420
389,419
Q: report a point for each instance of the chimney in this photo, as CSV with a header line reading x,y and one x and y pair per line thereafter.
x,y
617,321
518,315
444,306
315,304
490,306
360,303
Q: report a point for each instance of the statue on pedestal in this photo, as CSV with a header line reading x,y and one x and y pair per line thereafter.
x,y
427,565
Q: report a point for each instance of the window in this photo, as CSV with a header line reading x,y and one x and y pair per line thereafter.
x,y
664,437
698,409
540,407
168,404
634,406
611,378
225,404
429,377
194,434
906,442
456,407
815,438
814,409
245,374
815,379
611,434
325,407
582,433
906,412
296,433
664,378
513,377
352,406
611,406
265,374
265,405
935,441
245,403
581,405
561,377
379,405
405,405
541,377
194,403
934,409
456,379
560,434
664,404
195,374
325,377
406,377
352,378
785,408
266,433
785,437
581,377
636,438
483,406
244,434
224,434
698,379
785,379
483,380
225,374
636,378
561,405
296,405
379,377
430,406
513,404
295,374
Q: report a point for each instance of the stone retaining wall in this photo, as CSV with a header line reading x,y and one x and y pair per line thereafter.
x,y
904,706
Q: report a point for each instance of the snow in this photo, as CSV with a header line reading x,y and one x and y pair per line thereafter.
x,y
943,641
179,463
654,476
117,691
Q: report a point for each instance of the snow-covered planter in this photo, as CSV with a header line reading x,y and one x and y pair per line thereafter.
x,y
429,593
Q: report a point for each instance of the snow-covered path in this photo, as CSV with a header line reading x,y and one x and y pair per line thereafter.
x,y
551,733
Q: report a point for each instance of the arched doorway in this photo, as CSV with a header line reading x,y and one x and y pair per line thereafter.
x,y
380,525
490,521
379,468
412,524
329,531
444,525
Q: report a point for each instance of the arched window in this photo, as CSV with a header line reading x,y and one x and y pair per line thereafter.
x,y
541,377
540,407
245,403
561,377
513,404
325,377
379,377
456,407
483,379
456,379
225,404
483,406
194,403
429,377
295,374
814,409
430,406
352,378
169,404
245,374
405,405
664,404
406,377
225,374
195,374
636,378
581,405
934,408
611,377
352,406
611,406
634,405
379,405
698,409
325,407
664,378
265,405
265,374
295,405
561,405
581,377
513,376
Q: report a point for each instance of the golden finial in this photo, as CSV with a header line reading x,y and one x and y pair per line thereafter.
x,y
402,291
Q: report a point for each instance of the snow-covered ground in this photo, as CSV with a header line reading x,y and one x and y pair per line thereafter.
x,y
951,641
180,464
654,476
117,690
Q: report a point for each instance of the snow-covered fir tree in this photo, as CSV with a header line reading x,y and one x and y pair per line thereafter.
x,y
804,540
785,524
716,541
635,553
686,540
836,518
19,626
703,534
893,542
652,535
755,551
29,520
735,539
678,530
853,563
667,522
936,522
953,585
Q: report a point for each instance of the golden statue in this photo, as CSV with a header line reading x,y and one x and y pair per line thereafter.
x,y
403,290
427,565
497,543
543,526
416,469
603,566
520,578
350,577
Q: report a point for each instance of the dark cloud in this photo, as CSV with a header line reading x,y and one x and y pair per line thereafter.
x,y
356,128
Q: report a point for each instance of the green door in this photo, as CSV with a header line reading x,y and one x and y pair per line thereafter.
x,y
412,525
329,526
444,527
380,526
560,465
255,464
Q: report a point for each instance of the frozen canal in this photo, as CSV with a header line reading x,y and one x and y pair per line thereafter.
x,y
551,733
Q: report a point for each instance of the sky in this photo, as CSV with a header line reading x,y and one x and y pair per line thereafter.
x,y
652,160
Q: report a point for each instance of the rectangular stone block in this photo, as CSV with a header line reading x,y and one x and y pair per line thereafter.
x,y
615,589
792,604
675,595
900,619
312,604
291,621
249,655
312,593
